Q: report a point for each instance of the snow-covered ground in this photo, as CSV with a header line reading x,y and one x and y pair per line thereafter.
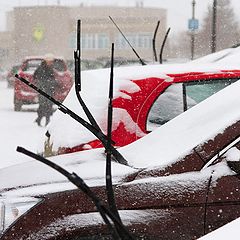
x,y
16,128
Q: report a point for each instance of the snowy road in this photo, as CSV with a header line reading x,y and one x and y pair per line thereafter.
x,y
17,129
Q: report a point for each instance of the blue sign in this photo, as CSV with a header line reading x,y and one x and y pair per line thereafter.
x,y
193,24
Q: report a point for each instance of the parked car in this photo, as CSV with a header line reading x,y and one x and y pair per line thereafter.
x,y
145,97
25,95
179,182
11,75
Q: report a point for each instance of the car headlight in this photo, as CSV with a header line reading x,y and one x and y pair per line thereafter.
x,y
11,210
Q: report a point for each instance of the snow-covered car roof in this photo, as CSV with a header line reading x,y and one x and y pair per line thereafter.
x,y
226,56
41,57
95,94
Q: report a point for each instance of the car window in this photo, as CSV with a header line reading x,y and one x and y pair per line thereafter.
x,y
204,89
181,96
59,65
31,65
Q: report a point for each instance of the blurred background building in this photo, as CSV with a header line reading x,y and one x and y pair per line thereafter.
x,y
38,30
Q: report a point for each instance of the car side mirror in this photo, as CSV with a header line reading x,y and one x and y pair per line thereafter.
x,y
234,166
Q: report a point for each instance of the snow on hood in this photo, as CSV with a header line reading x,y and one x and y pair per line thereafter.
x,y
175,139
66,132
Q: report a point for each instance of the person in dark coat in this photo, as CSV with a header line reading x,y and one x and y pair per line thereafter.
x,y
45,79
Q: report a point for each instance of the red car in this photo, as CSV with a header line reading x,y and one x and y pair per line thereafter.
x,y
180,183
25,95
145,98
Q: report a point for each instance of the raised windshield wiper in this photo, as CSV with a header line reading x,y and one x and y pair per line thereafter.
x,y
92,126
77,60
154,42
163,44
109,187
98,133
80,184
135,52
118,231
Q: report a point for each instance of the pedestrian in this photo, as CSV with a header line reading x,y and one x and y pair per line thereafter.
x,y
45,80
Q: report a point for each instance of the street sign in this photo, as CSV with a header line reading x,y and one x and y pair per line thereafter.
x,y
193,24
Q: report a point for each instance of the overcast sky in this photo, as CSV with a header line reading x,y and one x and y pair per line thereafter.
x,y
179,11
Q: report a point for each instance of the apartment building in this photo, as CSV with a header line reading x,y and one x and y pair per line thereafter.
x,y
38,30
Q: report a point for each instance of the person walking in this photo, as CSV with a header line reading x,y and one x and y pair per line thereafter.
x,y
45,80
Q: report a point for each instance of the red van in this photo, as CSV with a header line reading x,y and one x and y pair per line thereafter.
x,y
24,95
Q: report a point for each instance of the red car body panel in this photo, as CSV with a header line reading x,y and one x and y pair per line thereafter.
x,y
139,104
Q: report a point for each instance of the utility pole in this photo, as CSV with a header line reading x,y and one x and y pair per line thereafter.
x,y
193,30
214,26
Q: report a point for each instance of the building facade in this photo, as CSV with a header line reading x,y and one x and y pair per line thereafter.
x,y
43,29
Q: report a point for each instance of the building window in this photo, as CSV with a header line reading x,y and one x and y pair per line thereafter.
x,y
139,40
90,41
103,41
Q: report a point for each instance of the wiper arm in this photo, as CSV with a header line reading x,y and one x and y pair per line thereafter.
x,y
154,42
163,44
109,187
80,184
77,60
135,52
98,133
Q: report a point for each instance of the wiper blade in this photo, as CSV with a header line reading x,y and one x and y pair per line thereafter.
x,y
163,44
99,134
139,58
77,60
109,187
154,41
80,184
